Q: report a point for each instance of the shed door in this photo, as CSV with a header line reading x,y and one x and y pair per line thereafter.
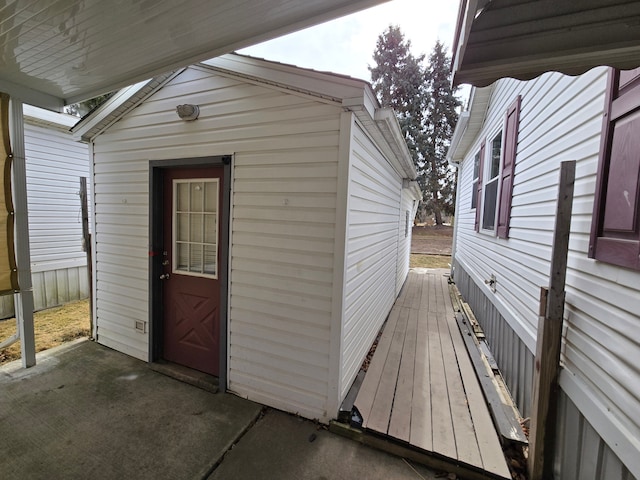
x,y
191,285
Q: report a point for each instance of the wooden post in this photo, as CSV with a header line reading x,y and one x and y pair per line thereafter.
x,y
86,244
545,377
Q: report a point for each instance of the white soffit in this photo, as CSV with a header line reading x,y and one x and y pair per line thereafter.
x,y
525,38
56,52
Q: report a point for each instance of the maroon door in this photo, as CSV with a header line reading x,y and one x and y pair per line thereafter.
x,y
191,285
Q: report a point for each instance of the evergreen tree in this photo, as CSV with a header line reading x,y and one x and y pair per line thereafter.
x,y
426,107
83,108
441,116
398,82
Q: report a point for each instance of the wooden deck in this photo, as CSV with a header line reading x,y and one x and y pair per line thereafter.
x,y
421,387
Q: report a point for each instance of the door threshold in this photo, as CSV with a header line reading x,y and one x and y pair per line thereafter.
x,y
186,375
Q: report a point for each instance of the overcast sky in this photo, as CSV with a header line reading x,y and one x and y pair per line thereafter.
x,y
346,45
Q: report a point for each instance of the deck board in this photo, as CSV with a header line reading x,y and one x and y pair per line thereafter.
x,y
383,401
400,423
369,387
421,431
421,387
442,424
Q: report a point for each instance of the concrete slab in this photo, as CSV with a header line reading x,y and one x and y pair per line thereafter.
x,y
284,447
89,412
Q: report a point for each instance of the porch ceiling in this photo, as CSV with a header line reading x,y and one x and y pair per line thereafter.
x,y
56,52
525,38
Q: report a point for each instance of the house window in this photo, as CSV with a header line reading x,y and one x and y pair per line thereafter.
x,y
474,185
615,229
477,193
498,177
195,227
491,183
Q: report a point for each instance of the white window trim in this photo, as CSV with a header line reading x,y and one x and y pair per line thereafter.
x,y
474,191
485,174
174,243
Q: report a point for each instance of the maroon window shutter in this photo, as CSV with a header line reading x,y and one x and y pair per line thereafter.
x,y
615,230
508,166
479,189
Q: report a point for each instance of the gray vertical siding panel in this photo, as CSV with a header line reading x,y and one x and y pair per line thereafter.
x,y
580,451
52,289
512,355
6,306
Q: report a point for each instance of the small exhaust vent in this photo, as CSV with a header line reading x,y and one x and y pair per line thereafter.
x,y
141,326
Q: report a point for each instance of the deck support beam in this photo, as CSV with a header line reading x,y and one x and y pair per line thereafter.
x,y
547,365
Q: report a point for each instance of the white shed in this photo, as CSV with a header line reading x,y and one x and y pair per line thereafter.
x,y
54,163
264,242
509,146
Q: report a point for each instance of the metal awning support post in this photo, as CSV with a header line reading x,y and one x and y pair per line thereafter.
x,y
23,299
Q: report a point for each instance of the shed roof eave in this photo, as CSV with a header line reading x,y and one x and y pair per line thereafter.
x,y
115,107
41,116
387,122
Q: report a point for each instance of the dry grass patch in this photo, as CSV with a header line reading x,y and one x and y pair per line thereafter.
x,y
429,261
52,328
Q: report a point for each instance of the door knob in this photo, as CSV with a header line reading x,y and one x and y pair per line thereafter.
x,y
164,276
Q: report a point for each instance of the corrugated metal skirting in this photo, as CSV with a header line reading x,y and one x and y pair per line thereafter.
x,y
51,289
581,454
512,355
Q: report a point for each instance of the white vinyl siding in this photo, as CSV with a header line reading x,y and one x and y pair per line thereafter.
x,y
284,180
408,208
281,274
54,164
374,221
561,119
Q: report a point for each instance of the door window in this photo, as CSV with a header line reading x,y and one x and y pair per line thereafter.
x,y
195,227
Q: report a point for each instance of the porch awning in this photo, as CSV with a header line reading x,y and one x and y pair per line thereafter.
x,y
523,39
56,52
8,272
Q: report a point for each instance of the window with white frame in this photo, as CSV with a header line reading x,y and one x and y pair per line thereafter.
x,y
491,183
476,178
493,175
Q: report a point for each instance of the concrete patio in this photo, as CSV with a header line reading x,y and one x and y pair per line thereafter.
x,y
85,411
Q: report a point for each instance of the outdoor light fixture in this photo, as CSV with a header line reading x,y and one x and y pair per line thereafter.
x,y
188,112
